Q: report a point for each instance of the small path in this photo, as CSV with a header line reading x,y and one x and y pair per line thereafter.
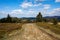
x,y
29,31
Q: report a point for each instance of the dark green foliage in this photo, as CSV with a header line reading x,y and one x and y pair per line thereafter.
x,y
45,20
39,17
54,21
16,20
3,20
8,19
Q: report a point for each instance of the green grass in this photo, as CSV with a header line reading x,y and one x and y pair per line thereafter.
x,y
53,28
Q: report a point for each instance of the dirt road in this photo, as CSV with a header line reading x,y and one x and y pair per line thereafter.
x,y
29,31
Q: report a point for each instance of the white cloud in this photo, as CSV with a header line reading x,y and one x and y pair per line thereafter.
x,y
55,12
39,0
30,11
2,12
29,4
45,9
57,9
23,13
18,11
25,5
46,6
34,0
57,0
37,4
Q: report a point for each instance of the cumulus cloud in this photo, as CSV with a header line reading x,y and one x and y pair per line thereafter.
x,y
23,13
25,4
31,13
16,11
55,12
45,9
46,6
57,0
40,0
37,4
2,12
29,4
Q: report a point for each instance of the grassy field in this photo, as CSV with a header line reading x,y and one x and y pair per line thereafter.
x,y
47,25
9,27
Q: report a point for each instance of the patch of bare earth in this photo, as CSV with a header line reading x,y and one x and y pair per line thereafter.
x,y
28,32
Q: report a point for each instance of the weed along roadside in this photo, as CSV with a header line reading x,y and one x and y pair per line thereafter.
x,y
53,30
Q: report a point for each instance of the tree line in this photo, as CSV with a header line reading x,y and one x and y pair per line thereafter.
x,y
10,19
39,18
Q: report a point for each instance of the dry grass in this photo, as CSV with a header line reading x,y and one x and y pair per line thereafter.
x,y
53,28
9,27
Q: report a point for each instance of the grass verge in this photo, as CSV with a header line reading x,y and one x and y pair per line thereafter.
x,y
53,28
9,27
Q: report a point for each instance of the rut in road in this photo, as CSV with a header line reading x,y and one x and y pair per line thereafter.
x,y
29,32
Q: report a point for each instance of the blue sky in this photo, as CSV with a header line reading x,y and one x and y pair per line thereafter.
x,y
29,8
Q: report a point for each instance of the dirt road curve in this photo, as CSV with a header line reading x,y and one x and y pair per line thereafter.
x,y
29,32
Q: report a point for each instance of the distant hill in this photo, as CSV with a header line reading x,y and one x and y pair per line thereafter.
x,y
33,18
30,18
50,17
47,17
58,17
